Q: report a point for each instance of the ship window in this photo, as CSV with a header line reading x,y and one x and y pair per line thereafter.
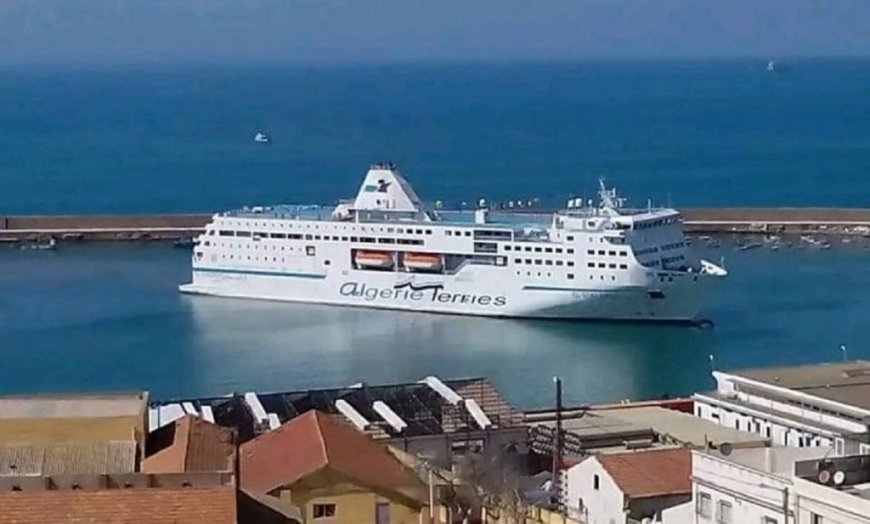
x,y
507,248
316,237
419,231
428,231
368,240
386,240
518,261
612,253
294,236
307,237
601,252
500,261
211,232
590,264
448,232
570,239
548,262
559,262
468,233
602,265
570,276
528,261
537,250
326,262
590,252
548,250
623,254
528,249
278,235
243,233
570,263
344,239
570,251
623,266
538,262
611,266
310,251
559,250
354,239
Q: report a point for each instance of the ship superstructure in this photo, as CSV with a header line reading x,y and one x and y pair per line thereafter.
x,y
385,249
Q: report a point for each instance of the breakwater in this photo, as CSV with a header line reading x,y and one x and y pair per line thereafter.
x,y
830,221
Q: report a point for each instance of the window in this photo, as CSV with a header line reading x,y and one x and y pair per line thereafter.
x,y
323,511
704,505
816,519
382,513
570,276
769,520
309,250
723,512
596,482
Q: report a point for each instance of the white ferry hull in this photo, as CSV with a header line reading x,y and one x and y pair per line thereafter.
x,y
479,295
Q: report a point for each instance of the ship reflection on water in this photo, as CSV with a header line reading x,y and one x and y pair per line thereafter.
x,y
284,346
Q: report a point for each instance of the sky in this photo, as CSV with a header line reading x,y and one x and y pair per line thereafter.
x,y
363,31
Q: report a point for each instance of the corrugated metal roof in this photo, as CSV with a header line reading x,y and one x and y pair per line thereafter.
x,y
71,458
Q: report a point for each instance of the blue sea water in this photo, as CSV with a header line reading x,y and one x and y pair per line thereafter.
x,y
96,317
179,139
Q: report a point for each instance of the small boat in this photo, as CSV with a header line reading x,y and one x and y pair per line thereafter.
x,y
41,244
373,259
262,138
751,245
184,243
422,261
771,66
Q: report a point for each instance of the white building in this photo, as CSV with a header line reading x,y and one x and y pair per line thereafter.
x,y
805,406
751,485
824,496
630,487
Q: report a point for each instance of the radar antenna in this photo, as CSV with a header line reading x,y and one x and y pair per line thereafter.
x,y
610,201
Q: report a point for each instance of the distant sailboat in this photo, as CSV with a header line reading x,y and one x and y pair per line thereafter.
x,y
771,66
262,138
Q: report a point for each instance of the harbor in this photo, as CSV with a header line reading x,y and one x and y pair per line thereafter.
x,y
850,223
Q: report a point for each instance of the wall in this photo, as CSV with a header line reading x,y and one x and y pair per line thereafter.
x,y
53,430
753,495
603,506
833,506
354,505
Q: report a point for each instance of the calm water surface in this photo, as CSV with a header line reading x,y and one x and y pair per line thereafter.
x,y
108,316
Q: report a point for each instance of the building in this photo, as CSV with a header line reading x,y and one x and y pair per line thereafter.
x,y
45,419
189,444
833,491
438,419
822,405
630,487
733,486
331,470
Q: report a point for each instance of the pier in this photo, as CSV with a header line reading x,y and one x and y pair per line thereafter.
x,y
798,221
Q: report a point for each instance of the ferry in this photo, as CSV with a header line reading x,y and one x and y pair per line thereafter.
x,y
386,249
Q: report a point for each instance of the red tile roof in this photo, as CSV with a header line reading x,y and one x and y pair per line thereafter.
x,y
651,473
191,444
213,505
313,442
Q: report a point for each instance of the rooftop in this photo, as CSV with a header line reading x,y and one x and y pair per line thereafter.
x,y
775,460
189,444
844,382
214,505
316,442
647,474
68,458
420,408
73,406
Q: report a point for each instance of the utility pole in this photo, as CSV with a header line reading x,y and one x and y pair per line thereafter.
x,y
557,444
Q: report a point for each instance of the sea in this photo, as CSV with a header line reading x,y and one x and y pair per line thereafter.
x,y
178,138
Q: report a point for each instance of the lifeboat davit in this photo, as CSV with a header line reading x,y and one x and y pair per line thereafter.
x,y
377,259
422,261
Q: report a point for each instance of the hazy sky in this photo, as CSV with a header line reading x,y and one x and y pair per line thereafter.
x,y
115,31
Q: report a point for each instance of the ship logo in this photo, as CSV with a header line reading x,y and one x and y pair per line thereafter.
x,y
381,187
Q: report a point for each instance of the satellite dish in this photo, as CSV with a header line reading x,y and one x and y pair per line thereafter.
x,y
725,449
839,478
824,476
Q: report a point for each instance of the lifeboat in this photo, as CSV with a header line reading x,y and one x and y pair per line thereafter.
x,y
375,259
422,261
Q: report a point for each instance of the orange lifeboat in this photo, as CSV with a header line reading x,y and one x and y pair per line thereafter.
x,y
377,259
422,261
